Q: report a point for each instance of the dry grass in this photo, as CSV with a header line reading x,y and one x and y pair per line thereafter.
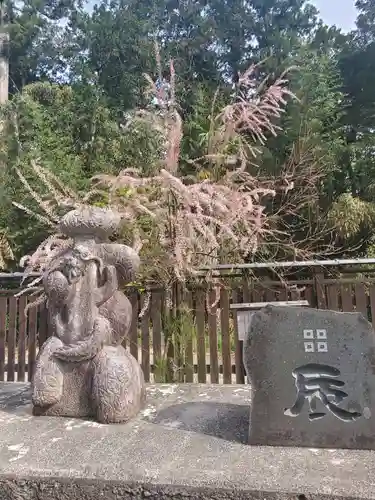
x,y
180,225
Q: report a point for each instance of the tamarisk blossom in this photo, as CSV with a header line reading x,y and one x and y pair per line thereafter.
x,y
180,225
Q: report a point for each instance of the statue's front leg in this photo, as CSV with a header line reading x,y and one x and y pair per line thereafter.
x,y
47,384
88,348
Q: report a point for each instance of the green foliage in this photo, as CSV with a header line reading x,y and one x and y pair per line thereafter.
x,y
33,130
317,112
36,39
349,215
74,134
86,126
142,145
179,330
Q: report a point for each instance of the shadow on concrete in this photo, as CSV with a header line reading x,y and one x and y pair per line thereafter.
x,y
15,397
221,420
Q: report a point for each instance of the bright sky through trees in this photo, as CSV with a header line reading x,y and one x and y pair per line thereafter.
x,y
342,13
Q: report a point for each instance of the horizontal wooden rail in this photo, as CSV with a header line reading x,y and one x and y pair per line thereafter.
x,y
258,305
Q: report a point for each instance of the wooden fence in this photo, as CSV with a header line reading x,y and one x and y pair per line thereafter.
x,y
199,345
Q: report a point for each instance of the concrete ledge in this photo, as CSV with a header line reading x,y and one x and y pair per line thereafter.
x,y
190,442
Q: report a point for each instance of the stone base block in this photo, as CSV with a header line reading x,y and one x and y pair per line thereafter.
x,y
190,442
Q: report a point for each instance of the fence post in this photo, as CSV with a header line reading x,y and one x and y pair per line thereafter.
x,y
225,336
240,369
319,286
361,299
246,298
200,297
133,333
189,349
43,325
3,327
145,343
212,335
32,339
22,329
12,337
156,311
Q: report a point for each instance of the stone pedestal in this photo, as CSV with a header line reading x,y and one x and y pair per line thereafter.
x,y
189,442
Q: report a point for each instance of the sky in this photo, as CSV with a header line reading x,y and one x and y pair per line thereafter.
x,y
342,13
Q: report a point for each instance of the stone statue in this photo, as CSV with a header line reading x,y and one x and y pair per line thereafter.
x,y
82,370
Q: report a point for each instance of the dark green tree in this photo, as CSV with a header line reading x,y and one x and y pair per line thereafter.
x,y
36,49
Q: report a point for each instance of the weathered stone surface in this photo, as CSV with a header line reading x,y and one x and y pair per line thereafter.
x,y
189,442
312,378
82,370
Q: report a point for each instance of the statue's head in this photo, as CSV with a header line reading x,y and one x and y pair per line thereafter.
x,y
90,222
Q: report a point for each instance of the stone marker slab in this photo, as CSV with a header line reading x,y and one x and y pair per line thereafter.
x,y
312,375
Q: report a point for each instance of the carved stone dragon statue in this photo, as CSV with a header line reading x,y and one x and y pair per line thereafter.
x,y
82,370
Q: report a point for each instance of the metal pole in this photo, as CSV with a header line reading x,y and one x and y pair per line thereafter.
x,y
295,264
4,57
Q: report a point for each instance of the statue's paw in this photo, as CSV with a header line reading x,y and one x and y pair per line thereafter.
x,y
44,398
76,353
63,352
